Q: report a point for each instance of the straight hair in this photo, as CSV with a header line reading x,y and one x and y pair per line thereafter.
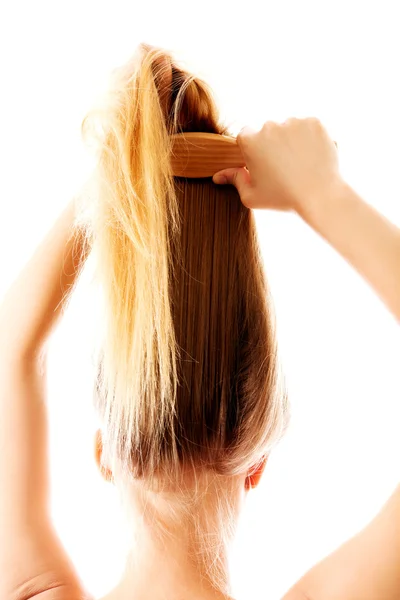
x,y
189,387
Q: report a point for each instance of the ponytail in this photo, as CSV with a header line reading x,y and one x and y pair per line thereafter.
x,y
135,220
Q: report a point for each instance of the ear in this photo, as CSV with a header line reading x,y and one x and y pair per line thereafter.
x,y
98,453
253,478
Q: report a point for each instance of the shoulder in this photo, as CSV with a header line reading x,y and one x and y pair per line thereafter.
x,y
365,566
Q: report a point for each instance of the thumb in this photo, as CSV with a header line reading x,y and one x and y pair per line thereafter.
x,y
237,176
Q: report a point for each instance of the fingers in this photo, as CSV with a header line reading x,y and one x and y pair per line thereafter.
x,y
239,177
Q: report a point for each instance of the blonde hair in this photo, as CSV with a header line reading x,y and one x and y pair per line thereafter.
x,y
189,386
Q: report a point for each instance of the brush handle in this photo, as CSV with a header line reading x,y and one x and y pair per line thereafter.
x,y
199,154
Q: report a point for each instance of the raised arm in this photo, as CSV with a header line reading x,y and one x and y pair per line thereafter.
x,y
294,167
32,559
367,566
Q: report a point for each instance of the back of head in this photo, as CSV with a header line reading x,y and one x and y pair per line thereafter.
x,y
189,385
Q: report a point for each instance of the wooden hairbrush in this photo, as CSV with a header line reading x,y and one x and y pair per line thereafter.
x,y
199,154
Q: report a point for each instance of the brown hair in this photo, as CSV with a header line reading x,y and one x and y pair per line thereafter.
x,y
189,378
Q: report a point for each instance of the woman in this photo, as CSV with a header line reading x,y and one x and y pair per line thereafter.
x,y
189,386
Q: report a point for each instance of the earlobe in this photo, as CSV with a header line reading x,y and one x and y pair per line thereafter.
x,y
98,452
253,479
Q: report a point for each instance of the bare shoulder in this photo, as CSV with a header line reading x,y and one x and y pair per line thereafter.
x,y
366,567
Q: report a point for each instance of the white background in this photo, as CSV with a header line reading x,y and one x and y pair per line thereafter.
x,y
340,347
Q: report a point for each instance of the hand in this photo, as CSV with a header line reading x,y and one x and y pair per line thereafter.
x,y
287,165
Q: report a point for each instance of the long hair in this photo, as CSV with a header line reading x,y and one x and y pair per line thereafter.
x,y
189,384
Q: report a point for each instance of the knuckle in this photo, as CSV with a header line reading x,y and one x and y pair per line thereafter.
x,y
291,121
314,121
268,125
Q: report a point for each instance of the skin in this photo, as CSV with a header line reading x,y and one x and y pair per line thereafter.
x,y
175,576
33,562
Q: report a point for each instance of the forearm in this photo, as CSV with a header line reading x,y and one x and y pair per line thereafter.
x,y
29,312
24,477
364,237
34,302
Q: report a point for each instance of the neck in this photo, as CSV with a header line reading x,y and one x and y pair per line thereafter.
x,y
170,568
168,559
